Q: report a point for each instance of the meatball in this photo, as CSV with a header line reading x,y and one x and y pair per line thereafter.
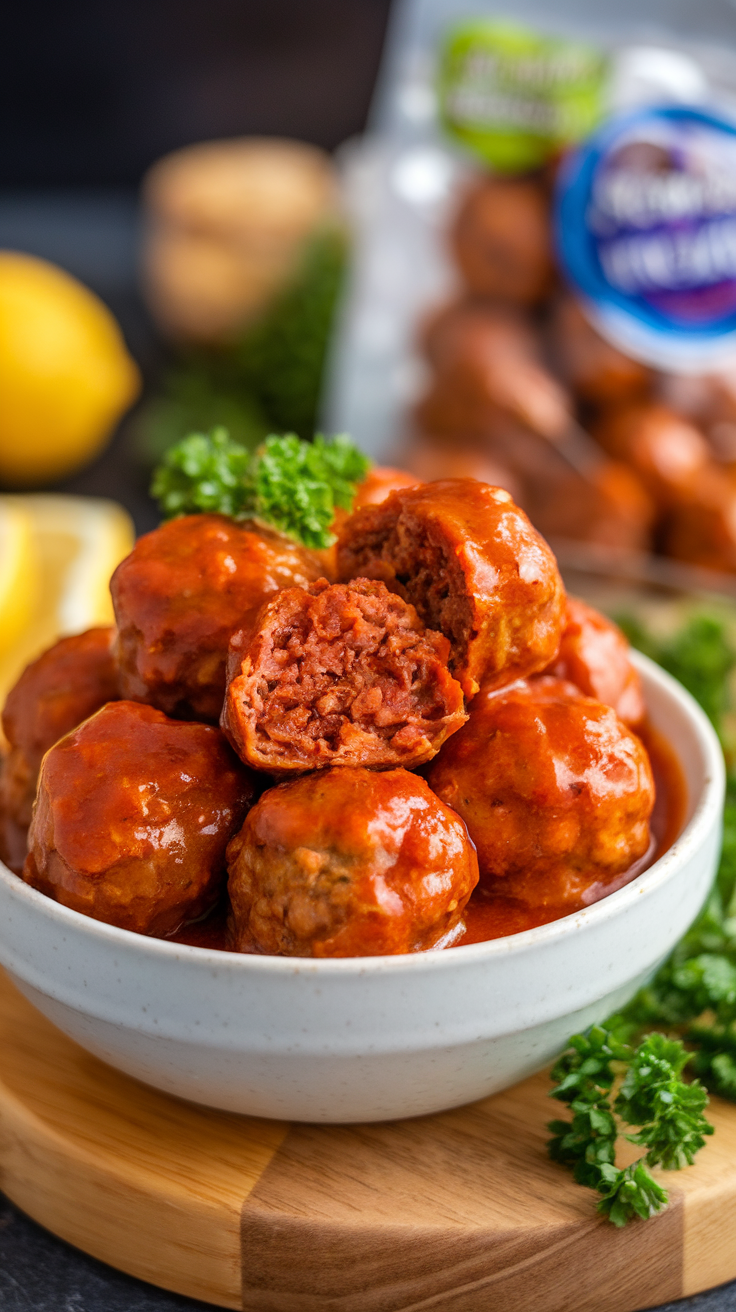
x,y
700,526
595,655
595,370
350,863
609,507
469,560
556,793
133,817
665,450
339,675
502,241
180,595
487,368
58,690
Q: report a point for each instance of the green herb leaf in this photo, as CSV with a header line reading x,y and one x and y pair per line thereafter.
x,y
299,484
630,1193
208,474
291,484
669,1111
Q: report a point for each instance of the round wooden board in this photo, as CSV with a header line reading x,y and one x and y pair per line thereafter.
x,y
452,1213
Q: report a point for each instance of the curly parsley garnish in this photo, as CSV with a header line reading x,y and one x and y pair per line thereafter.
x,y
652,1096
293,485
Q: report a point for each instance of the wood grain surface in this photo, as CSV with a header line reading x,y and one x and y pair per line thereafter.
x,y
460,1212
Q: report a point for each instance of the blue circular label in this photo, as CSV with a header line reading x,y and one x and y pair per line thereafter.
x,y
645,225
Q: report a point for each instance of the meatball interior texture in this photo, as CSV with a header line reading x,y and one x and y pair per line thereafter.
x,y
379,482
470,562
556,793
58,690
133,817
179,596
341,674
595,656
349,863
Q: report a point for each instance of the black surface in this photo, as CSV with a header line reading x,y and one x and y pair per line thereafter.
x,y
39,1273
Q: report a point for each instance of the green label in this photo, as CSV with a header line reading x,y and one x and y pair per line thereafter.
x,y
515,97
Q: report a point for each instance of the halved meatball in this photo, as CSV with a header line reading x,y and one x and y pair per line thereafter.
x,y
58,690
470,562
556,793
341,674
133,817
180,595
595,655
378,483
350,863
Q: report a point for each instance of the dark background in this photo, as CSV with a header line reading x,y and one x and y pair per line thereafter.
x,y
92,91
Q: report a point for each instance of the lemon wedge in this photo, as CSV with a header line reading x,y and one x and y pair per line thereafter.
x,y
56,557
19,575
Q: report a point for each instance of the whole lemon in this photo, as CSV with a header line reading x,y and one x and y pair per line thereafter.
x,y
65,374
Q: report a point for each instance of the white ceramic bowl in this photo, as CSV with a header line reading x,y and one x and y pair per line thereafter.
x,y
374,1038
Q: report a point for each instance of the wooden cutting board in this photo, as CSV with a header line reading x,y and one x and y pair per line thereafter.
x,y
451,1213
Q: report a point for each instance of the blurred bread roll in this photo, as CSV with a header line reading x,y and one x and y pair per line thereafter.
x,y
226,224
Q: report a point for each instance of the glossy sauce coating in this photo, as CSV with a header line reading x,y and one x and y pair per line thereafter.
x,y
341,674
58,690
180,595
133,816
491,915
556,792
470,562
502,241
595,655
349,863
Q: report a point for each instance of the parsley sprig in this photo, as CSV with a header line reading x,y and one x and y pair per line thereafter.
x,y
692,997
652,1096
288,483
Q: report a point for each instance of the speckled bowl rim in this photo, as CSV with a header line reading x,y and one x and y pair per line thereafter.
x,y
693,836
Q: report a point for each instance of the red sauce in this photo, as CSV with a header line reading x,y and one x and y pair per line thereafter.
x,y
492,916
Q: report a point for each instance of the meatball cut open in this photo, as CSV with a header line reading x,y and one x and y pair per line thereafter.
x,y
341,674
58,690
179,596
470,562
595,655
556,793
350,863
133,817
